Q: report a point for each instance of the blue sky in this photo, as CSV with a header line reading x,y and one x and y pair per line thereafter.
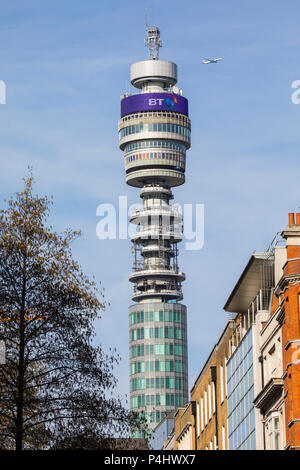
x,y
65,64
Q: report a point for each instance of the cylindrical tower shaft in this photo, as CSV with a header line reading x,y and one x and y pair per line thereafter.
x,y
154,133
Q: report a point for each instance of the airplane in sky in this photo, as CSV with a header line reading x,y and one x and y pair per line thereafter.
x,y
211,61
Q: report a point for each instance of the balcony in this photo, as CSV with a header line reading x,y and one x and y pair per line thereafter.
x,y
156,272
166,213
156,232
171,292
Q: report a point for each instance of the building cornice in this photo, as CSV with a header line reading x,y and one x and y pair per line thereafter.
x,y
248,284
184,430
285,281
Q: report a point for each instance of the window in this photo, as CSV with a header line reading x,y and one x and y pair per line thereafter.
x,y
209,401
205,407
198,420
225,370
222,383
156,144
273,425
153,127
241,422
223,438
202,420
214,397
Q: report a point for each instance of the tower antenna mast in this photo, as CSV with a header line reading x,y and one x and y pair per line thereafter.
x,y
152,40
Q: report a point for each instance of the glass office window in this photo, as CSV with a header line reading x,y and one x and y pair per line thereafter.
x,y
240,388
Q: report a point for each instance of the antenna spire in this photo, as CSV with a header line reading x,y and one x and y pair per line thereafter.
x,y
153,41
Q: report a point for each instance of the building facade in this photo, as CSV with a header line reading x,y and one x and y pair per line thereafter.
x,y
267,344
254,369
240,384
249,300
269,399
202,425
287,311
154,134
184,428
209,393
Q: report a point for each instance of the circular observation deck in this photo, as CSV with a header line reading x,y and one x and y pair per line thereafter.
x,y
157,248
154,190
166,274
162,72
167,214
157,233
138,296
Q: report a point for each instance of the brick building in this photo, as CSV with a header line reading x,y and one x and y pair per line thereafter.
x,y
184,428
287,297
279,397
247,395
202,425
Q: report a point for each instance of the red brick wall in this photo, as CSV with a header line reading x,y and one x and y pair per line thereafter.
x,y
293,252
291,354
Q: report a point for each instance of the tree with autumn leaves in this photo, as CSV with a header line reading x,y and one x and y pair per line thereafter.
x,y
56,385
